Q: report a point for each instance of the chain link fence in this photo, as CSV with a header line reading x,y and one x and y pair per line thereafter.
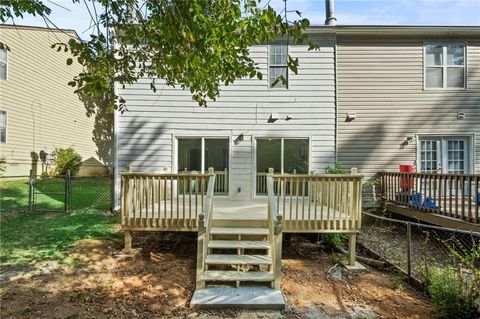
x,y
14,193
57,193
415,248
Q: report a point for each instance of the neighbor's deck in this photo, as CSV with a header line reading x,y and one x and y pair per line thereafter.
x,y
447,200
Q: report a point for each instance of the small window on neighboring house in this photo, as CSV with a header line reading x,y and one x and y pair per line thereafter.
x,y
277,62
445,66
3,64
3,126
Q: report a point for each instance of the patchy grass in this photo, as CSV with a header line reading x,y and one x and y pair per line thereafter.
x,y
31,237
87,193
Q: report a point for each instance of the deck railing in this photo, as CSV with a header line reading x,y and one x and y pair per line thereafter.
x,y
262,188
221,181
204,226
324,202
452,195
162,201
275,232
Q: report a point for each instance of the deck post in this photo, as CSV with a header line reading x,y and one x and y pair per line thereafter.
x,y
278,234
352,244
270,171
128,242
200,283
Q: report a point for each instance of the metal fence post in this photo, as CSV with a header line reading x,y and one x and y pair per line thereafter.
x,y
409,251
30,192
67,205
70,191
112,191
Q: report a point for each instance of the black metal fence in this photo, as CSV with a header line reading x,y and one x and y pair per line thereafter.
x,y
416,248
55,193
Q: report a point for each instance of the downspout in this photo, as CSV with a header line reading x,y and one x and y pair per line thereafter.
x,y
335,77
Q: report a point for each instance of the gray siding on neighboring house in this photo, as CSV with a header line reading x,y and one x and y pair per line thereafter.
x,y
146,133
381,79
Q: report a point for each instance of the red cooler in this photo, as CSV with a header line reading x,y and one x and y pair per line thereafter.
x,y
406,182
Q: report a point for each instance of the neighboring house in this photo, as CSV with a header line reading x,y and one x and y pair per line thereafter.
x,y
408,95
254,124
38,110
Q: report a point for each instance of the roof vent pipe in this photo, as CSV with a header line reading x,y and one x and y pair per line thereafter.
x,y
330,12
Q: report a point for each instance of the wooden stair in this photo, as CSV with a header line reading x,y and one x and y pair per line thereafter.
x,y
237,270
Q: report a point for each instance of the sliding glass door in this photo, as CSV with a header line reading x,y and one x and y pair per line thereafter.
x,y
284,155
196,155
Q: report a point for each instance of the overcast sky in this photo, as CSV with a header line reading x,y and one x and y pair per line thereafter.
x,y
387,12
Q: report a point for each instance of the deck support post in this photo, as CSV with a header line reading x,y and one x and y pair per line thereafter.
x,y
277,262
128,242
201,247
352,244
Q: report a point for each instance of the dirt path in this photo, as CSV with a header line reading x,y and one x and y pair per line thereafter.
x,y
160,282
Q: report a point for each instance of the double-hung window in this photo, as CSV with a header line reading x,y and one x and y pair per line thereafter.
x,y
3,126
277,66
445,66
3,64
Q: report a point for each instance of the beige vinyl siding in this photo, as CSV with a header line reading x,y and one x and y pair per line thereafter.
x,y
146,133
43,112
381,80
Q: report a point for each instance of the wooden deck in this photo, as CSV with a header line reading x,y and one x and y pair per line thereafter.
x,y
157,216
447,200
187,202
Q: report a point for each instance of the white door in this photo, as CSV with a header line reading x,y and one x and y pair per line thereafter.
x,y
445,155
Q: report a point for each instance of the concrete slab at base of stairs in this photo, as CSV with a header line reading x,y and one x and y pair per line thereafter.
x,y
357,266
253,298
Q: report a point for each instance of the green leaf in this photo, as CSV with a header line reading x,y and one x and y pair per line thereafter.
x,y
196,44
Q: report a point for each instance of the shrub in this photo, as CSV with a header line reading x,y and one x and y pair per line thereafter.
x,y
447,289
66,159
336,169
334,241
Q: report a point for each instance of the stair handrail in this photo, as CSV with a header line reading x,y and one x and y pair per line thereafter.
x,y
206,213
204,226
275,230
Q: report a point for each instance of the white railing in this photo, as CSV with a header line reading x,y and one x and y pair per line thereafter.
x,y
275,232
162,201
312,203
204,226
221,181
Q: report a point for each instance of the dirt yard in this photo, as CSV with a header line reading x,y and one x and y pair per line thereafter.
x,y
159,284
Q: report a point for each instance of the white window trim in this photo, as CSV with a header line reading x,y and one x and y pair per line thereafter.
x,y
202,138
6,126
275,136
269,65
6,65
471,137
445,66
